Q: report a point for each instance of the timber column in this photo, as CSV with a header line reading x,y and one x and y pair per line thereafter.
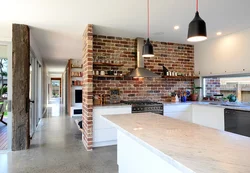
x,y
20,87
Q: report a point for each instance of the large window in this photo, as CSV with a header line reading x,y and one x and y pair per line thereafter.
x,y
217,86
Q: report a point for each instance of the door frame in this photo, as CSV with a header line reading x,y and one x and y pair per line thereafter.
x,y
9,121
60,87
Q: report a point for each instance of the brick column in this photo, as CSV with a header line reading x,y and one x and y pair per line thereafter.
x,y
87,89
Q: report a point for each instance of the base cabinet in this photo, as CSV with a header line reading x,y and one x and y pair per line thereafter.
x,y
208,116
181,112
103,133
204,115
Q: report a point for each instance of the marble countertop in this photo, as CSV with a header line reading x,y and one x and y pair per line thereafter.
x,y
245,107
120,105
186,146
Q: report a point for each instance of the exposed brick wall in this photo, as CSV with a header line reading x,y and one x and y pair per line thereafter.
x,y
176,57
87,89
212,86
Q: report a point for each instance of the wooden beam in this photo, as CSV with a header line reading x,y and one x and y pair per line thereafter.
x,y
20,87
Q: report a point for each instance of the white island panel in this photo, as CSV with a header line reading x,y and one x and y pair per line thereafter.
x,y
132,157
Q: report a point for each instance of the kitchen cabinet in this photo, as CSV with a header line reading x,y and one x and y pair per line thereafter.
x,y
181,112
208,116
103,133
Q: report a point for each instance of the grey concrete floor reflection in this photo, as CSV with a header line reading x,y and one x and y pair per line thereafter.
x,y
57,147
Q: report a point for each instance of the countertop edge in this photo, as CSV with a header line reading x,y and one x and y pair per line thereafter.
x,y
111,106
206,104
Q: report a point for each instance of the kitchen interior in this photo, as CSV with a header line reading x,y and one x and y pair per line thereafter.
x,y
182,105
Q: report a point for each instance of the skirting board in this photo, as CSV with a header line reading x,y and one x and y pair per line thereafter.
x,y
104,144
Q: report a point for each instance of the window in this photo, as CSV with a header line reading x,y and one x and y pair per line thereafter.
x,y
222,87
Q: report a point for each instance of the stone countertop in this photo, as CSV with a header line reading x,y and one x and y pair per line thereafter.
x,y
120,105
246,107
186,146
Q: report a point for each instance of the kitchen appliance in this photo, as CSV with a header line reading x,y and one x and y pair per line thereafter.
x,y
140,106
140,71
237,121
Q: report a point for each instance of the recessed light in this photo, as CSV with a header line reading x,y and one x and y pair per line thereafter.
x,y
218,33
176,27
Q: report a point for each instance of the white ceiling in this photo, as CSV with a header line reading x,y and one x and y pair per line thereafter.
x,y
58,25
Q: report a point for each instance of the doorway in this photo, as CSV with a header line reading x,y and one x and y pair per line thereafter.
x,y
35,93
5,95
56,87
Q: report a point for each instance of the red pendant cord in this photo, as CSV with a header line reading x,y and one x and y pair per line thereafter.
x,y
148,18
197,5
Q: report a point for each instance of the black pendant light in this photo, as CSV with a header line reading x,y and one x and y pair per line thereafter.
x,y
148,50
197,28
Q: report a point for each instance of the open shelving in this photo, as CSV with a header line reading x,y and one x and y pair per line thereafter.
x,y
108,76
181,77
74,83
108,64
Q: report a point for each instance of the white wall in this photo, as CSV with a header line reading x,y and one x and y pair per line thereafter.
x,y
35,48
225,55
3,51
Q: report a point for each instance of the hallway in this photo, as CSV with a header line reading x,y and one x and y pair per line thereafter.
x,y
57,147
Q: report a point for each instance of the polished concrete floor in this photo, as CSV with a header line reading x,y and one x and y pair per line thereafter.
x,y
56,147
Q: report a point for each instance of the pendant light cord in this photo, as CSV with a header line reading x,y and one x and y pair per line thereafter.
x,y
148,18
197,5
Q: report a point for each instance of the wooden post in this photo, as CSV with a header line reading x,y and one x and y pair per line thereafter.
x,y
238,92
20,87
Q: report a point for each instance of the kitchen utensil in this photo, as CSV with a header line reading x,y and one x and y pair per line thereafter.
x,y
102,72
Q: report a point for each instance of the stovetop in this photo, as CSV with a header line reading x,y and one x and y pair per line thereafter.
x,y
141,102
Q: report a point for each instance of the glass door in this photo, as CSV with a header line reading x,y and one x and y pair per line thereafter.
x,y
5,95
32,96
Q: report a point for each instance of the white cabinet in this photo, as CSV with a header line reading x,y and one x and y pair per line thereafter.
x,y
103,133
181,112
208,116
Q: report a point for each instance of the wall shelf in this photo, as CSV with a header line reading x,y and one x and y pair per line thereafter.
x,y
76,76
181,77
107,64
108,76
76,67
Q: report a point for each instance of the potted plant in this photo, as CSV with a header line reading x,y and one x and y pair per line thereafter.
x,y
232,98
194,96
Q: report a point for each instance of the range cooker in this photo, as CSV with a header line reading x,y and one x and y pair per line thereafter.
x,y
140,106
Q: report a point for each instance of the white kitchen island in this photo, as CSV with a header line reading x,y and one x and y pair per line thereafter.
x,y
151,143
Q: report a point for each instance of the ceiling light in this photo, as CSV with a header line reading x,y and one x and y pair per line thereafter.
x,y
148,50
176,27
197,28
218,33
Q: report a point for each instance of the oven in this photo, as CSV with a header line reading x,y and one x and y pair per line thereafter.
x,y
141,106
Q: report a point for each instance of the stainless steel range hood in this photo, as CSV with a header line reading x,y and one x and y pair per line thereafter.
x,y
140,71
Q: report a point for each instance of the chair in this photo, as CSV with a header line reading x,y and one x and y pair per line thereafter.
x,y
2,110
